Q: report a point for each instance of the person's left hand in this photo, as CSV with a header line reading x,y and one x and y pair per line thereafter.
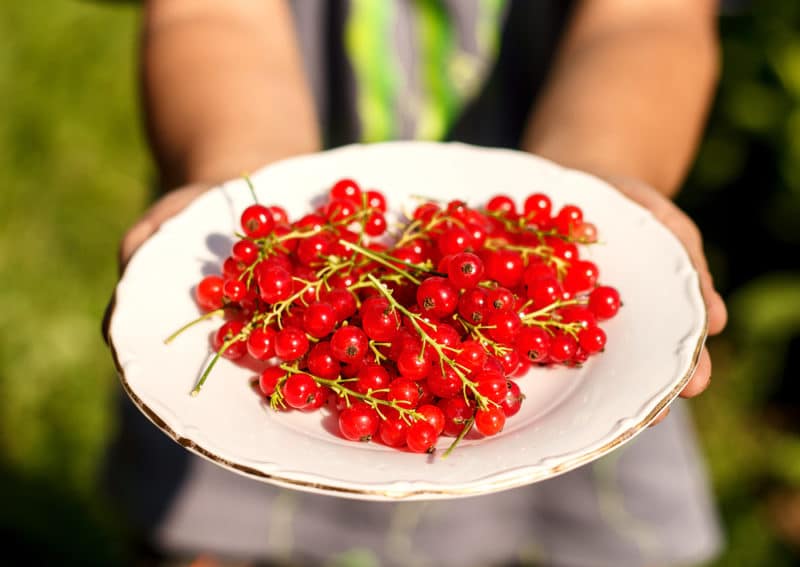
x,y
687,232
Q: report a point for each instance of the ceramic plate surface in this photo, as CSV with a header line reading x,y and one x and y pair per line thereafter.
x,y
570,416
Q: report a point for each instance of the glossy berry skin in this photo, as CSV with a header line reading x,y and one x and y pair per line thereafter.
x,y
414,363
444,384
359,422
465,270
343,302
592,340
227,332
209,293
492,385
376,200
501,204
245,251
372,377
473,305
321,361
537,207
512,402
490,421
604,302
392,431
300,391
505,267
378,319
581,277
319,319
568,218
234,290
405,392
433,415
291,343
274,283
269,379
504,326
437,297
375,225
257,221
456,414
421,437
346,189
562,348
472,355
349,344
261,343
533,343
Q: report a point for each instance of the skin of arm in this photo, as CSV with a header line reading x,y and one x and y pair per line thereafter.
x,y
224,93
627,101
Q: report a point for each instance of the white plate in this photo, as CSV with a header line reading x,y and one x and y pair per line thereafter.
x,y
570,417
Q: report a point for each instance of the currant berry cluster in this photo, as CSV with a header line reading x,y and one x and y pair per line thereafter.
x,y
412,335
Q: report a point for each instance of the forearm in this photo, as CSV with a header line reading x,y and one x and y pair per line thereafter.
x,y
223,88
628,99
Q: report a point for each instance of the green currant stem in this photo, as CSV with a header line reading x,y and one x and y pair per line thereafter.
x,y
204,376
251,187
466,383
379,356
475,332
457,440
190,324
380,258
527,318
335,384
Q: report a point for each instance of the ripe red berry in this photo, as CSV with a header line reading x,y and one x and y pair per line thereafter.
x,y
592,339
437,297
465,270
227,332
490,421
291,343
349,344
421,437
261,343
269,379
319,319
604,302
359,422
501,204
346,189
257,221
300,391
209,293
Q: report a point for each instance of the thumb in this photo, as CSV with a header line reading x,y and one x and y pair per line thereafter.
x,y
163,209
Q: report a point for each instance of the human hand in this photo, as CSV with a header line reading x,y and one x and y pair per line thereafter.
x,y
165,208
162,210
687,232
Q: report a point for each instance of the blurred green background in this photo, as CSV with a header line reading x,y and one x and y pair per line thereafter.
x,y
74,173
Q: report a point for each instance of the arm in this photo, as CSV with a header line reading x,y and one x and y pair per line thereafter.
x,y
224,93
630,89
627,101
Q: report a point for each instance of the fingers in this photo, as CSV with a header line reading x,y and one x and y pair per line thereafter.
x,y
701,377
660,417
687,231
165,208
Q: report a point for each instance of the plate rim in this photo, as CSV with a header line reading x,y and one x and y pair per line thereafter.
x,y
525,475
